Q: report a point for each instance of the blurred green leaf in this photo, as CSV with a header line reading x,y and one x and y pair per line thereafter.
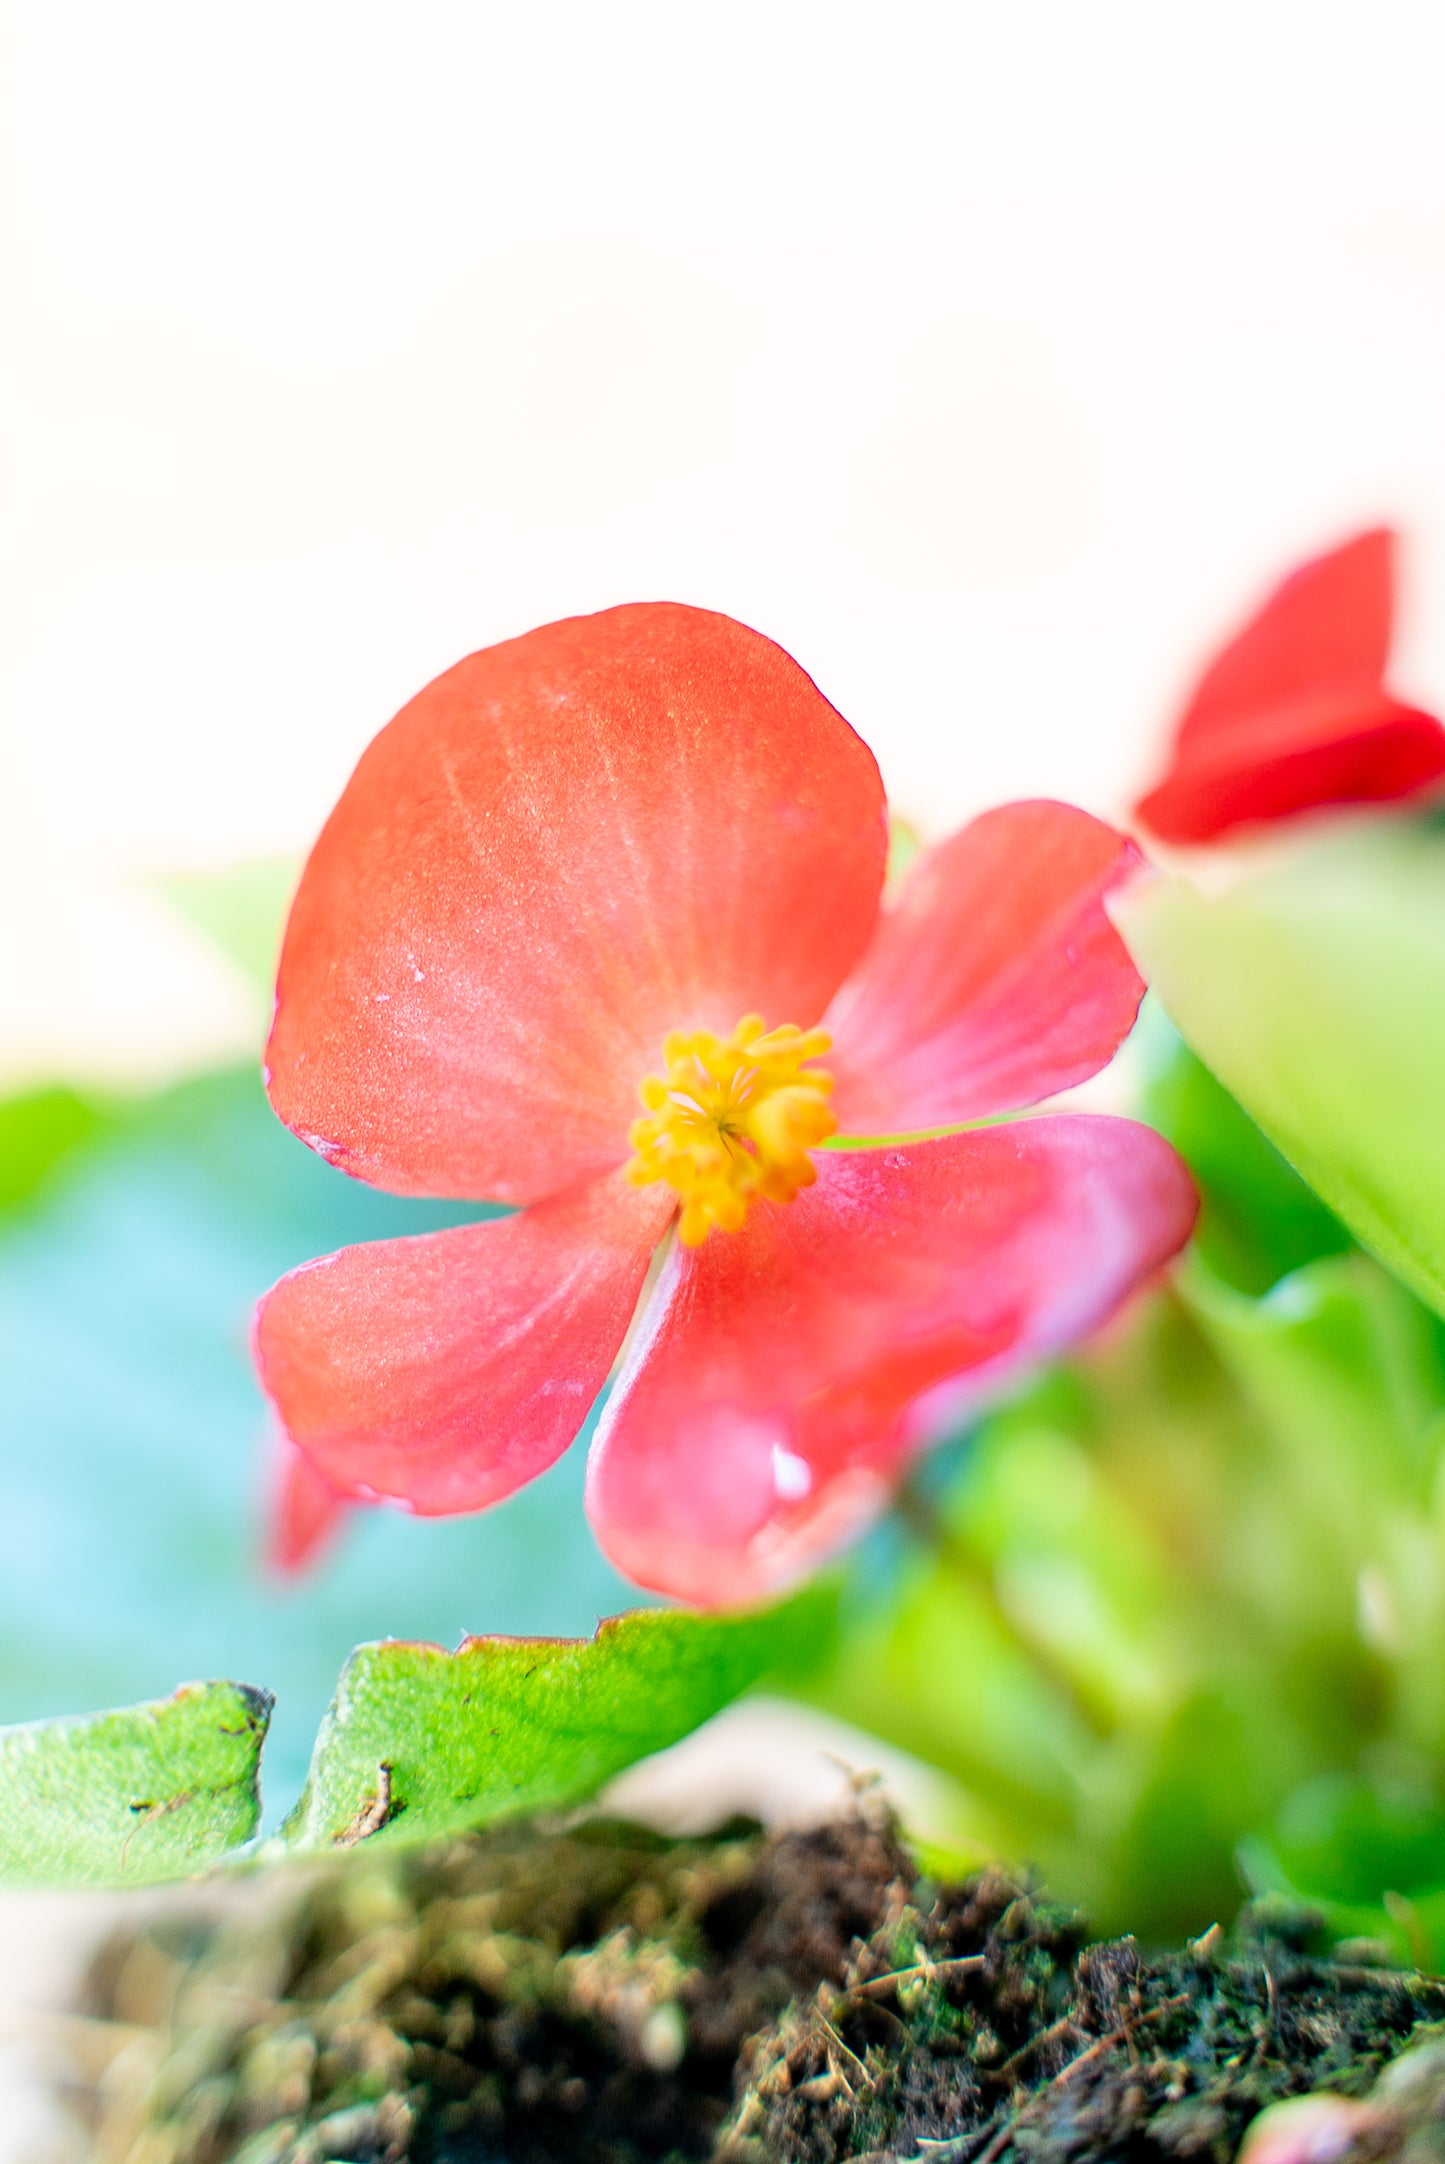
x,y
1196,1567
1258,1219
129,1798
420,1742
38,1132
1369,1855
1178,1795
241,910
1344,1367
1315,991
1351,1839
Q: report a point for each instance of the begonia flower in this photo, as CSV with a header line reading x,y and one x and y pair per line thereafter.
x,y
590,913
307,1509
1293,714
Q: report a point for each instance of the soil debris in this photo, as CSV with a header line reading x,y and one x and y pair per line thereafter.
x,y
603,1996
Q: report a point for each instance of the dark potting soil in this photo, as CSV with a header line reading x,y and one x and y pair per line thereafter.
x,y
602,1996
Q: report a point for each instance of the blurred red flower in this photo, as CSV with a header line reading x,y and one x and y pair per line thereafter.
x,y
540,932
1294,713
306,1508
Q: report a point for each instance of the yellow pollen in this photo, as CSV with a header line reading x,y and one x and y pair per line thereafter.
x,y
732,1119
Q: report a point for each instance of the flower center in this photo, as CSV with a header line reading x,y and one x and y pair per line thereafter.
x,y
732,1119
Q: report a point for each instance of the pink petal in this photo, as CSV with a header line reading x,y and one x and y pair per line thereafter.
x,y
562,849
306,1512
783,1375
1294,713
993,980
443,1371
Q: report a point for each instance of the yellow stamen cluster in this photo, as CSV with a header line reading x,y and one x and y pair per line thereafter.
x,y
731,1120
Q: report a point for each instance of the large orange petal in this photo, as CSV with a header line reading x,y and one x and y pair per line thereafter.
x,y
559,851
993,980
1294,713
446,1370
783,1375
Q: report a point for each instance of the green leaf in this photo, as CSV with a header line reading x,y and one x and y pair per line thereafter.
x,y
1196,1568
1315,991
1347,1372
241,910
1208,1770
129,1555
420,1742
1343,1838
1258,1220
1367,1855
38,1132
129,1798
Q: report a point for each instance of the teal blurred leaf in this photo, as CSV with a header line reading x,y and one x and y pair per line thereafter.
x,y
1315,991
133,1797
420,1742
133,1438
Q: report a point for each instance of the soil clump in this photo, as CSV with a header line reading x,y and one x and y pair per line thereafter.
x,y
600,1995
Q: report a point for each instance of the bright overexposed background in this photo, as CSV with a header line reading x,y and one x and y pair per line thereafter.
x,y
988,357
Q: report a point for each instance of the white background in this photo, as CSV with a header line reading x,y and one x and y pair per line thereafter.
x,y
987,356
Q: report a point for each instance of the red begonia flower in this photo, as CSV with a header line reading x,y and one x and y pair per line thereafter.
x,y
585,920
306,1509
780,1378
1294,714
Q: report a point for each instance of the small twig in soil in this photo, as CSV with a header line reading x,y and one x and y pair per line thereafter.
x,y
1026,2051
958,1966
1066,2074
952,2150
834,2038
1370,1979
